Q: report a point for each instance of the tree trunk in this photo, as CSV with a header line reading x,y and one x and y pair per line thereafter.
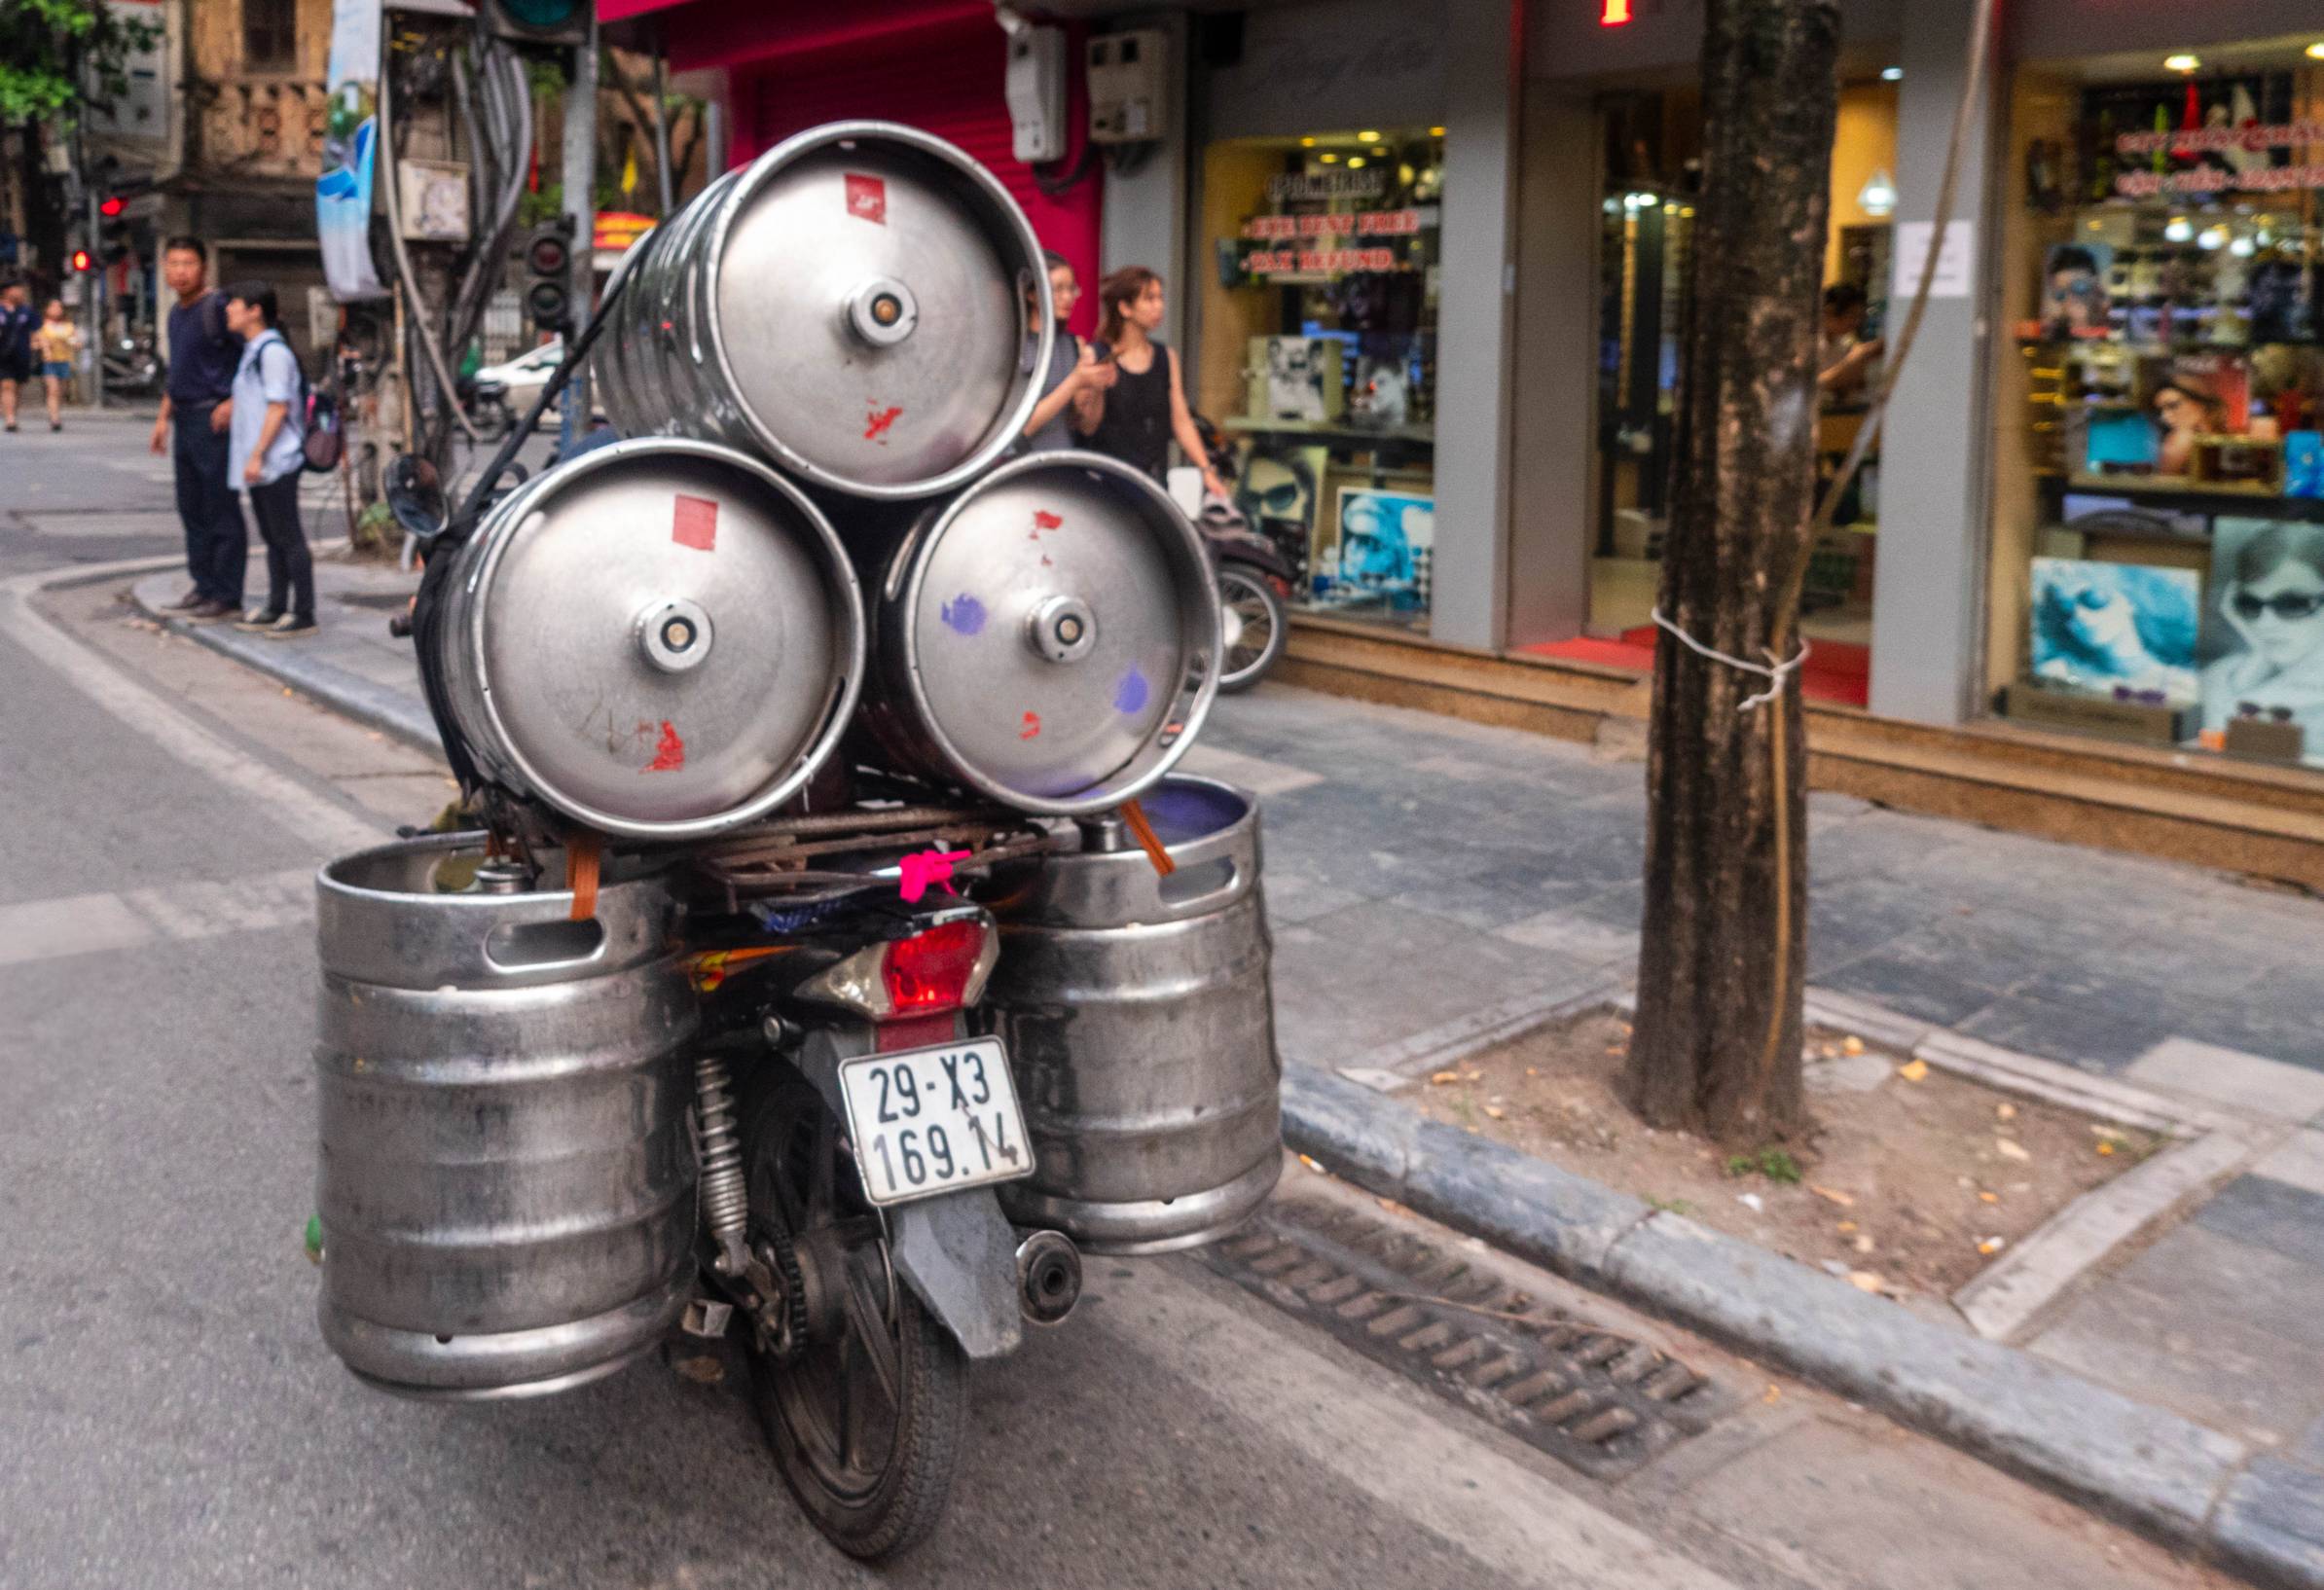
x,y
1717,1043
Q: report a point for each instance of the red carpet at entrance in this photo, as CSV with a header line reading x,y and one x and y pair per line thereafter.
x,y
1837,671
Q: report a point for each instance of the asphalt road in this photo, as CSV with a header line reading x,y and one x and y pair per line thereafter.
x,y
169,1417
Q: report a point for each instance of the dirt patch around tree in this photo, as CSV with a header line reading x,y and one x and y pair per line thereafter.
x,y
1910,1182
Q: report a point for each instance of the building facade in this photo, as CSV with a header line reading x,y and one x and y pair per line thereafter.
x,y
1428,261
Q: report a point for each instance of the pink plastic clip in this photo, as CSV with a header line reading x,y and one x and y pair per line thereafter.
x,y
924,867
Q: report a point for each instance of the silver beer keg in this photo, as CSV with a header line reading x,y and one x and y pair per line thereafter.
x,y
1141,1028
863,303
1049,637
657,639
506,1186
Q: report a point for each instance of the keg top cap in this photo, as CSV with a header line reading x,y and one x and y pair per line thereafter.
x,y
1064,633
880,310
666,635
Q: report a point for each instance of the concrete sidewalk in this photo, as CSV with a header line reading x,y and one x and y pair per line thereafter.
x,y
1432,881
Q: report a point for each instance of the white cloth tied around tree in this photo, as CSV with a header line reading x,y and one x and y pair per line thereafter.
x,y
1776,673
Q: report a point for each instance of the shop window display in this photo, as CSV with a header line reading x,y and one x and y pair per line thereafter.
x,y
2159,510
1319,355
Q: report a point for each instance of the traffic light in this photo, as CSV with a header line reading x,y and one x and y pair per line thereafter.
x,y
540,21
111,205
548,260
81,261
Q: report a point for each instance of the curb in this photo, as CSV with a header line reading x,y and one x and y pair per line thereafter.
x,y
369,703
2187,1486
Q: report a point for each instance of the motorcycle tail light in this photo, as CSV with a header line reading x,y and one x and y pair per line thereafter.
x,y
936,970
939,970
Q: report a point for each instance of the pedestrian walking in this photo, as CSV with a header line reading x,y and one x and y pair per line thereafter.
x,y
1075,371
198,405
17,322
54,342
265,457
1146,410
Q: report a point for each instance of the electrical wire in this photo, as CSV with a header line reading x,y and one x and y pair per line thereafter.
x,y
403,257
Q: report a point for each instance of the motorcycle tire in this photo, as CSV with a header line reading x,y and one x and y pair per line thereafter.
x,y
492,420
1256,627
878,1509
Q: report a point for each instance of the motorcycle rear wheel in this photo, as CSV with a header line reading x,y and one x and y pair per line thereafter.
x,y
1255,627
867,1427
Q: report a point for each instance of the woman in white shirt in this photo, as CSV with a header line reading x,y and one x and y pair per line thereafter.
x,y
263,458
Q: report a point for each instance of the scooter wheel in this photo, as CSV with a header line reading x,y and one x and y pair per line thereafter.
x,y
866,1419
1254,627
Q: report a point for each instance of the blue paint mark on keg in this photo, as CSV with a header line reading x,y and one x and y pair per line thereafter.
x,y
1130,695
964,614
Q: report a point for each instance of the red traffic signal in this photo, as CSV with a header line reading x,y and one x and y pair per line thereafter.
x,y
111,205
549,255
82,260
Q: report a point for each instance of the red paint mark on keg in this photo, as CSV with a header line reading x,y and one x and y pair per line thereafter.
x,y
694,522
867,197
1033,726
670,754
917,872
878,421
1043,520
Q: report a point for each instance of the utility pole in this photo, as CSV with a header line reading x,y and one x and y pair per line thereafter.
x,y
580,205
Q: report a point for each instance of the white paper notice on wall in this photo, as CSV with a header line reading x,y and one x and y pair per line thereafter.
x,y
1956,260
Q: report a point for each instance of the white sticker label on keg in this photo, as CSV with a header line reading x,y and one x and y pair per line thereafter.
x,y
867,197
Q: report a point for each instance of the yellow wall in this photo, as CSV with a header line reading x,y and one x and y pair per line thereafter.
x,y
1234,187
1864,143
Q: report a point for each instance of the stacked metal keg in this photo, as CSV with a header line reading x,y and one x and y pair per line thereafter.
x,y
811,561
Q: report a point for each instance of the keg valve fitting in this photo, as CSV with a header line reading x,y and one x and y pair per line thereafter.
x,y
674,635
1061,629
883,311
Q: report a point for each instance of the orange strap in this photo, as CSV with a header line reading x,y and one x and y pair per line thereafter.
x,y
1135,815
583,850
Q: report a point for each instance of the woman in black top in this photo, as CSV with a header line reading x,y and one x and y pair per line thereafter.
x,y
1147,407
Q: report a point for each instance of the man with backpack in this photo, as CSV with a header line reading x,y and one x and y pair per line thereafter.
x,y
197,409
266,455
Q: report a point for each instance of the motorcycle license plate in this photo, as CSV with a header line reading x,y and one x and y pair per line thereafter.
x,y
929,1121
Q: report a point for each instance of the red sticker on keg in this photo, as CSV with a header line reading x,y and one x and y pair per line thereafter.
x,y
867,197
669,755
694,522
1044,520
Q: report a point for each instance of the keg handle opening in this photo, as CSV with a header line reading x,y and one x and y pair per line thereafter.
x,y
1193,888
524,947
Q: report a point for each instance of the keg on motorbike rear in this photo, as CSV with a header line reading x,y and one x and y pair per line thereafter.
x,y
506,1184
1140,1027
658,639
863,303
1048,638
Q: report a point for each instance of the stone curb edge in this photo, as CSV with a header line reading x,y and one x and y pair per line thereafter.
x,y
373,705
2190,1487
2187,1486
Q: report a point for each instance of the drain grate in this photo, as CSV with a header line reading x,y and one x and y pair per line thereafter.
x,y
1587,1396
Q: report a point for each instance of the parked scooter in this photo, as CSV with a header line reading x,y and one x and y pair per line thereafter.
x,y
1256,580
133,368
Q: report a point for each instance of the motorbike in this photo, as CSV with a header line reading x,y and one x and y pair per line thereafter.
x,y
132,367
854,1085
1256,580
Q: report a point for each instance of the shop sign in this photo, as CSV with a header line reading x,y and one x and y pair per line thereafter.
x,y
1362,224
1319,261
2240,175
1318,185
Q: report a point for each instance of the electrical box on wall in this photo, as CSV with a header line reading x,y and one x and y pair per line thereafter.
x,y
1129,87
1035,90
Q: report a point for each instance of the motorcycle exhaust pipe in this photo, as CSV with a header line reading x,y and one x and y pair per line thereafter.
x,y
1048,1277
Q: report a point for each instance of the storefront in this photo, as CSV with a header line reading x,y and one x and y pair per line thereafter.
x,y
1317,252
2158,488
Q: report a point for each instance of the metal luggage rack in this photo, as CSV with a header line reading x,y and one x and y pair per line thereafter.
x,y
791,856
